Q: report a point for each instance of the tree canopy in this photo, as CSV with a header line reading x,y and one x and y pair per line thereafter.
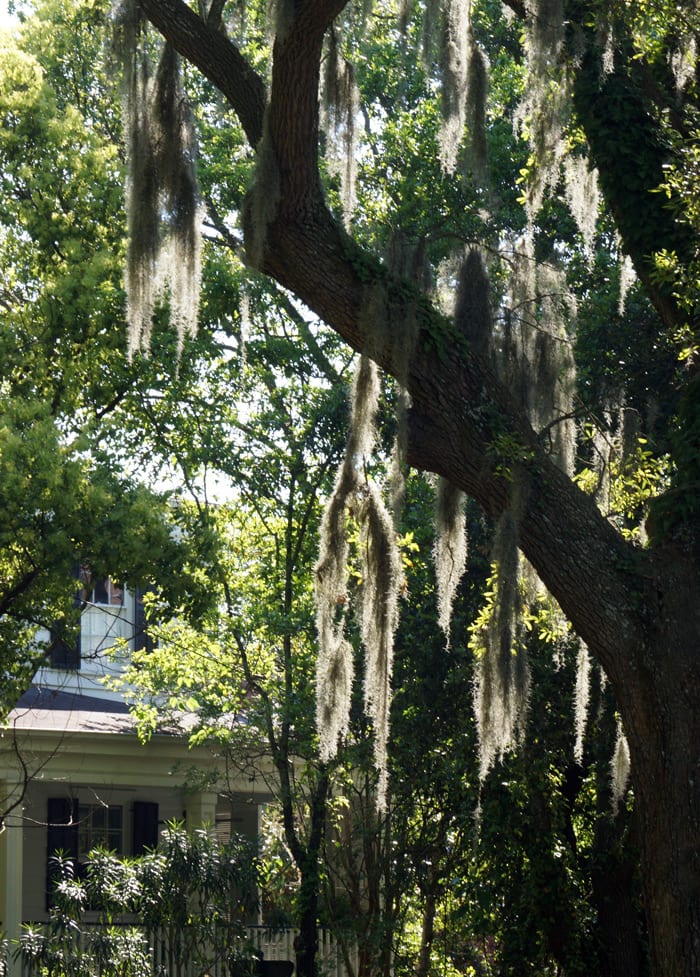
x,y
610,87
464,193
68,496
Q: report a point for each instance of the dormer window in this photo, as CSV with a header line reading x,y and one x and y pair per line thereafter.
x,y
110,616
103,591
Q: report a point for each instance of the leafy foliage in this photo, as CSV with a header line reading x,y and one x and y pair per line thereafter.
x,y
258,398
188,900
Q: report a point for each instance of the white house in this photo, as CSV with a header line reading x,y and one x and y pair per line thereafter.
x,y
74,774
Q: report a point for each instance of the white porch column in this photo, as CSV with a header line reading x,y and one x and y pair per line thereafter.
x,y
200,809
11,861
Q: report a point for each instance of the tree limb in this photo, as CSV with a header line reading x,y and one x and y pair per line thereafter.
x,y
460,409
217,58
461,412
517,6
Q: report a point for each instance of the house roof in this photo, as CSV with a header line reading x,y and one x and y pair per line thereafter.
x,y
68,737
51,709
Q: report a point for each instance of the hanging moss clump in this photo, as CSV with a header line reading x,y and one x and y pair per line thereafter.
x,y
464,73
163,206
340,109
619,768
450,548
502,681
355,496
582,696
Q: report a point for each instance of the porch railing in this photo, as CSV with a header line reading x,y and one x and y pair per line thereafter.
x,y
166,958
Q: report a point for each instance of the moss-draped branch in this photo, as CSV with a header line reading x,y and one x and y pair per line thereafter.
x,y
460,410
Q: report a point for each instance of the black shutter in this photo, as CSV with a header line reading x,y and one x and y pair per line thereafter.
x,y
142,639
64,650
145,834
61,836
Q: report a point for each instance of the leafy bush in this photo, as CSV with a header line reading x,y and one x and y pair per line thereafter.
x,y
180,909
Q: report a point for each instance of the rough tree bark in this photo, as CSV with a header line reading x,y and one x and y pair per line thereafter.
x,y
638,611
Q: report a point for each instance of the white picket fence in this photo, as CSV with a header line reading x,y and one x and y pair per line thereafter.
x,y
279,945
269,944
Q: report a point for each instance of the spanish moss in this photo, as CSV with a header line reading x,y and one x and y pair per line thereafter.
x,y
619,768
245,327
454,63
607,46
464,76
473,321
475,110
407,259
683,62
180,255
502,682
582,695
534,354
545,108
334,668
583,198
534,359
163,208
341,106
380,570
553,371
472,314
397,475
450,549
142,185
628,277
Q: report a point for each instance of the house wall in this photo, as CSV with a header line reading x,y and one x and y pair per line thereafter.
x,y
171,806
70,747
238,816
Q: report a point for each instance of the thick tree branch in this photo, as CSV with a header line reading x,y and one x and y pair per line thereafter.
x,y
293,111
216,57
461,413
18,588
517,6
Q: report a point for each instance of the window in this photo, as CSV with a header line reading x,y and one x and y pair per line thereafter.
x,y
64,650
75,828
106,615
145,826
99,826
101,591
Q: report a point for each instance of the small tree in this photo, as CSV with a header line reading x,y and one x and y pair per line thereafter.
x,y
186,902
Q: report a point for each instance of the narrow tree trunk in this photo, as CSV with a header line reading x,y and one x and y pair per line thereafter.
x,y
615,895
306,942
619,923
308,860
427,930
